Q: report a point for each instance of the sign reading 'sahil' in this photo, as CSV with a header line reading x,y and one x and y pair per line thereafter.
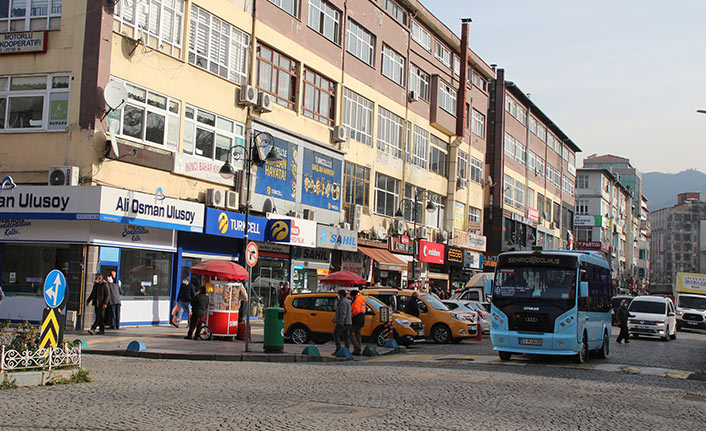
x,y
23,42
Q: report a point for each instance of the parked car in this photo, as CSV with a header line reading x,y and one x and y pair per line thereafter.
x,y
653,316
482,308
309,316
440,324
615,304
460,308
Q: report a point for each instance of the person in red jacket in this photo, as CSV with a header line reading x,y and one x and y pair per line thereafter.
x,y
358,320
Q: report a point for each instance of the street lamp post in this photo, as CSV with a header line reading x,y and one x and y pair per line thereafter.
x,y
399,214
260,142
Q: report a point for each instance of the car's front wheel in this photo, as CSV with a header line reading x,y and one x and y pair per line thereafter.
x,y
505,356
300,334
441,333
582,355
604,351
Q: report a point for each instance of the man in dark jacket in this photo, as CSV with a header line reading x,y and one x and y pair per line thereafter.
x,y
342,320
621,316
115,303
412,307
187,291
199,310
100,297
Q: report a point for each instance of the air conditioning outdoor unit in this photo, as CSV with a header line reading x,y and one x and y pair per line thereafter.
x,y
232,200
63,176
309,214
216,198
461,183
422,232
398,227
264,102
413,96
344,225
357,217
248,95
338,134
443,236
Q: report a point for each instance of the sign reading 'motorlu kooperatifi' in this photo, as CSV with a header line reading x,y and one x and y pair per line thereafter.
x,y
23,42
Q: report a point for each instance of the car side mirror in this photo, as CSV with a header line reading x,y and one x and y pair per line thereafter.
x,y
488,287
583,289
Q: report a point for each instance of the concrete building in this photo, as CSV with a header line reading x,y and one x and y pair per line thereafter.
x,y
531,175
678,241
130,109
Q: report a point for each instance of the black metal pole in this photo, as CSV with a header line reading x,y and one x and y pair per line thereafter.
x,y
414,241
248,167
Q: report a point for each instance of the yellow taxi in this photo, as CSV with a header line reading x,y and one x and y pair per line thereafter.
x,y
440,324
309,316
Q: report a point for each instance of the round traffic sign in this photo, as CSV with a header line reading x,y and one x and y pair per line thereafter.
x,y
54,288
251,254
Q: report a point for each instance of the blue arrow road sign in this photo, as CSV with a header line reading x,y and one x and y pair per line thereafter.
x,y
54,288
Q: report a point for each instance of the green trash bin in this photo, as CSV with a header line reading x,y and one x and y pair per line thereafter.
x,y
274,330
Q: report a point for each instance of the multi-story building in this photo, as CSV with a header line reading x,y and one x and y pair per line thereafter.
x,y
531,174
678,241
643,246
133,108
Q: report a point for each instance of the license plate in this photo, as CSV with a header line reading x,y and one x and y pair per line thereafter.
x,y
642,327
420,332
531,341
693,323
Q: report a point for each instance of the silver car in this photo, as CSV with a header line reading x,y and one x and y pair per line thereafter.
x,y
463,306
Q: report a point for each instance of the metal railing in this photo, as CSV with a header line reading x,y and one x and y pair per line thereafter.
x,y
50,358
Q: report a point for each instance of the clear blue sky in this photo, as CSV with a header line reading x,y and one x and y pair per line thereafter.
x,y
623,76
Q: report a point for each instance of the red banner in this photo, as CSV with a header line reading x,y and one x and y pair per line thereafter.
x,y
431,252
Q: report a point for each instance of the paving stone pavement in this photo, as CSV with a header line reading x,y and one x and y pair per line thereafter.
x,y
137,394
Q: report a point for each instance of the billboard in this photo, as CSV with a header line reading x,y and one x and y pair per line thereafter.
x,y
278,179
322,178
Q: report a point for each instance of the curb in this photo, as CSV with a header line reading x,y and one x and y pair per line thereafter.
x,y
239,357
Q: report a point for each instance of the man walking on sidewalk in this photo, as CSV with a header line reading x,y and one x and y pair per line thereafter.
x,y
621,316
187,291
115,303
199,309
100,296
342,319
357,320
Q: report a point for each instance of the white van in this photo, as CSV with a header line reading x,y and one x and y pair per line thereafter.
x,y
653,316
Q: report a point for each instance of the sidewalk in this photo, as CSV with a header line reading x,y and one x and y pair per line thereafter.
x,y
167,342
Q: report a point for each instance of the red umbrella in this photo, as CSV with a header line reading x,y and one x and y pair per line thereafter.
x,y
220,268
346,278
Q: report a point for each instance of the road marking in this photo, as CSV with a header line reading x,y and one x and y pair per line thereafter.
x,y
583,366
421,358
611,368
392,358
654,371
678,374
629,369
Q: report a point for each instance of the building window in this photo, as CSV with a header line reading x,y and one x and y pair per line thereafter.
x,y
147,117
478,124
540,206
478,81
439,157
442,54
462,164
582,181
386,195
319,101
447,98
218,47
557,213
476,171
325,19
419,82
567,184
41,15
26,263
156,23
510,105
209,135
510,145
420,142
289,6
357,185
392,65
277,75
509,190
474,216
521,154
139,265
521,114
435,218
390,132
582,206
540,167
34,102
421,36
361,43
584,234
410,191
358,117
393,9
519,195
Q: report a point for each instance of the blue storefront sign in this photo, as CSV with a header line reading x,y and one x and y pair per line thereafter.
x,y
232,224
278,230
336,238
278,179
322,181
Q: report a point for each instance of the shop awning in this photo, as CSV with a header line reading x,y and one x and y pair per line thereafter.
x,y
384,258
406,258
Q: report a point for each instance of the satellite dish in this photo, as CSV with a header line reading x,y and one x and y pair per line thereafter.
x,y
113,143
114,94
382,232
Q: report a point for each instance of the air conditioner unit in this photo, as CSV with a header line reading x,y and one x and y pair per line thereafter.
x,y
63,176
344,225
309,214
413,96
422,232
461,183
443,236
232,200
264,102
248,95
216,198
357,217
398,227
338,134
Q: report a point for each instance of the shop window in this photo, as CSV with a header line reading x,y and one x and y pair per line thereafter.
x,y
30,15
34,103
25,266
145,273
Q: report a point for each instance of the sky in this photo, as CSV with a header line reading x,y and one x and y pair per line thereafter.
x,y
623,77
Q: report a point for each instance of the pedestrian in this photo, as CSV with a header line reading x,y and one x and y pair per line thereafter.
x,y
100,296
114,304
187,291
199,309
343,322
357,321
284,292
621,316
412,307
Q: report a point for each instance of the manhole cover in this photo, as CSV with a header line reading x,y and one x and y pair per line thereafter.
x,y
335,409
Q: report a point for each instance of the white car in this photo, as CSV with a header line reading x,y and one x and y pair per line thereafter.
x,y
466,307
653,316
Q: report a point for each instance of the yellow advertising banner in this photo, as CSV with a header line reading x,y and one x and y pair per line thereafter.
x,y
691,283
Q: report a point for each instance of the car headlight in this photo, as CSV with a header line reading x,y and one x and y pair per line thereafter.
x,y
659,323
680,313
403,322
457,316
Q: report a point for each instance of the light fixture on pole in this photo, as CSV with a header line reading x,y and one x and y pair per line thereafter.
x,y
399,214
263,144
701,111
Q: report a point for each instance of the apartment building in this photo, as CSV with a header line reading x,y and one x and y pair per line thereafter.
x,y
678,241
118,117
531,175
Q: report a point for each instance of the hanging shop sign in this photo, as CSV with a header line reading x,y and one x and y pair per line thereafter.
x,y
278,231
302,232
431,252
354,262
533,214
593,245
459,215
401,245
454,256
317,255
232,224
336,238
23,42
472,260
203,169
469,240
278,179
322,177
588,220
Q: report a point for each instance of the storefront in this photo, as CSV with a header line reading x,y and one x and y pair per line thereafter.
x,y
474,248
433,255
308,264
332,241
386,268
454,265
403,250
519,232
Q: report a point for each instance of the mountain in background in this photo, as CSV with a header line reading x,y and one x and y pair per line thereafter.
x,y
661,189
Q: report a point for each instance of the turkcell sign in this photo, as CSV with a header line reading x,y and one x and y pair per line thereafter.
x,y
336,238
232,224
